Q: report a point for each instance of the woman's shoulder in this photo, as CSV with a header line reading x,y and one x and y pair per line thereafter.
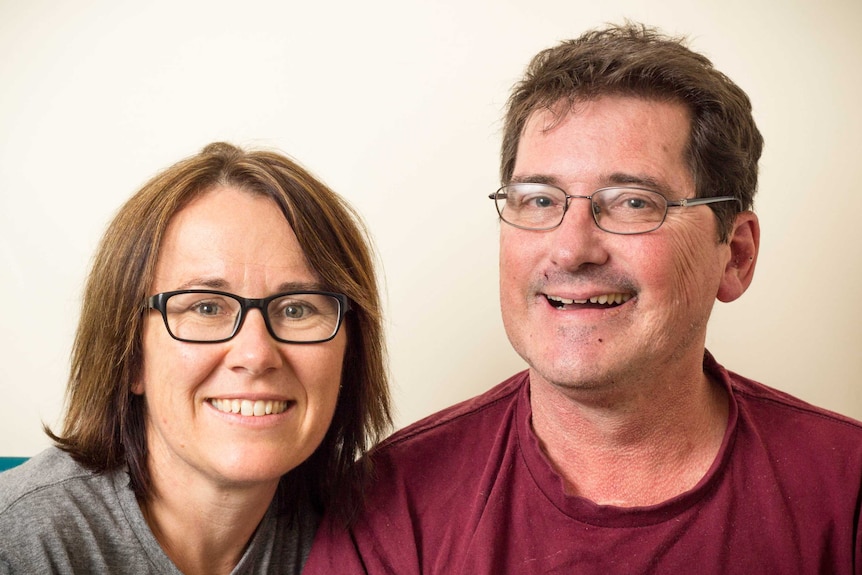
x,y
55,512
41,476
51,489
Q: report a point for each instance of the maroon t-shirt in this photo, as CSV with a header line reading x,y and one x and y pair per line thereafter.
x,y
468,491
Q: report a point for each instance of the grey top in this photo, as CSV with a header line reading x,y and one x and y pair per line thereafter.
x,y
58,517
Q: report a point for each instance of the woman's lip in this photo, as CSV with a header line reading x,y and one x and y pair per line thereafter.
x,y
250,407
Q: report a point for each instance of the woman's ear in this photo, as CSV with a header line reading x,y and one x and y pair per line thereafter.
x,y
744,245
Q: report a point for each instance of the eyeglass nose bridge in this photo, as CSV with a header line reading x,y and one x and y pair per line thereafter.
x,y
247,304
594,208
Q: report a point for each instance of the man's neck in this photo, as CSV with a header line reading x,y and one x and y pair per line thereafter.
x,y
635,448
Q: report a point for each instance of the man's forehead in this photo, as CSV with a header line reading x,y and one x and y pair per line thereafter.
x,y
612,140
546,117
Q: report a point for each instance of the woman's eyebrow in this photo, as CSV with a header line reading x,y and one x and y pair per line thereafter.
x,y
300,286
215,283
220,284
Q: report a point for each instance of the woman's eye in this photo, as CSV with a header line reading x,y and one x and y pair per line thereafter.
x,y
207,308
294,311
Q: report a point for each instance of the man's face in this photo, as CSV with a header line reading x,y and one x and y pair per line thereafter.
x,y
666,279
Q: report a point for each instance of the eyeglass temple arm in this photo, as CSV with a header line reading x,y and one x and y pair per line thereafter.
x,y
686,202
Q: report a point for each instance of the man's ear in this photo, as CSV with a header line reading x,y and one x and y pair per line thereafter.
x,y
744,245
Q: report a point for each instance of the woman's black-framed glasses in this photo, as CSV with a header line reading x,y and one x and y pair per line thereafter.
x,y
209,316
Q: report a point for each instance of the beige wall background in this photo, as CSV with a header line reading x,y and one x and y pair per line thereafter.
x,y
397,105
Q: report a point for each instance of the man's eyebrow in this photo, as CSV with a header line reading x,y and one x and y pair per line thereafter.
x,y
535,179
614,179
642,181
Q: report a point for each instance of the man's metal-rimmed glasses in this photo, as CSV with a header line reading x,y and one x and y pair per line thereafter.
x,y
208,316
617,210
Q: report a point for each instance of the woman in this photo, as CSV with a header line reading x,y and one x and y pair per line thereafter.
x,y
227,372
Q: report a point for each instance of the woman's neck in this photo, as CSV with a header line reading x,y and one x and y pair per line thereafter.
x,y
204,528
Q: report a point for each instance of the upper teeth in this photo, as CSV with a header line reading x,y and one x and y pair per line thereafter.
x,y
249,407
611,298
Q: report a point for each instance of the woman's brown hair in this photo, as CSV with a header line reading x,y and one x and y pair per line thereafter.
x,y
104,424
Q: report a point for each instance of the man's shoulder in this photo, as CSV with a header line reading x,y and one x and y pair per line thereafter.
x,y
487,405
778,414
767,397
469,416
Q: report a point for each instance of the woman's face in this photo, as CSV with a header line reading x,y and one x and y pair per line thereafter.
x,y
233,241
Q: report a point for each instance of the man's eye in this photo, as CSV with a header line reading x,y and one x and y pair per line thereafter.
x,y
632,202
539,202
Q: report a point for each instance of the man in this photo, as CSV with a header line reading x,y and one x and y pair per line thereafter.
x,y
630,166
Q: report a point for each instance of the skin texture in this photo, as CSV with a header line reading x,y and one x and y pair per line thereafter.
x,y
215,473
626,380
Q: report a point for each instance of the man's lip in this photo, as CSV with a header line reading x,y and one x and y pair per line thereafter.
x,y
599,298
